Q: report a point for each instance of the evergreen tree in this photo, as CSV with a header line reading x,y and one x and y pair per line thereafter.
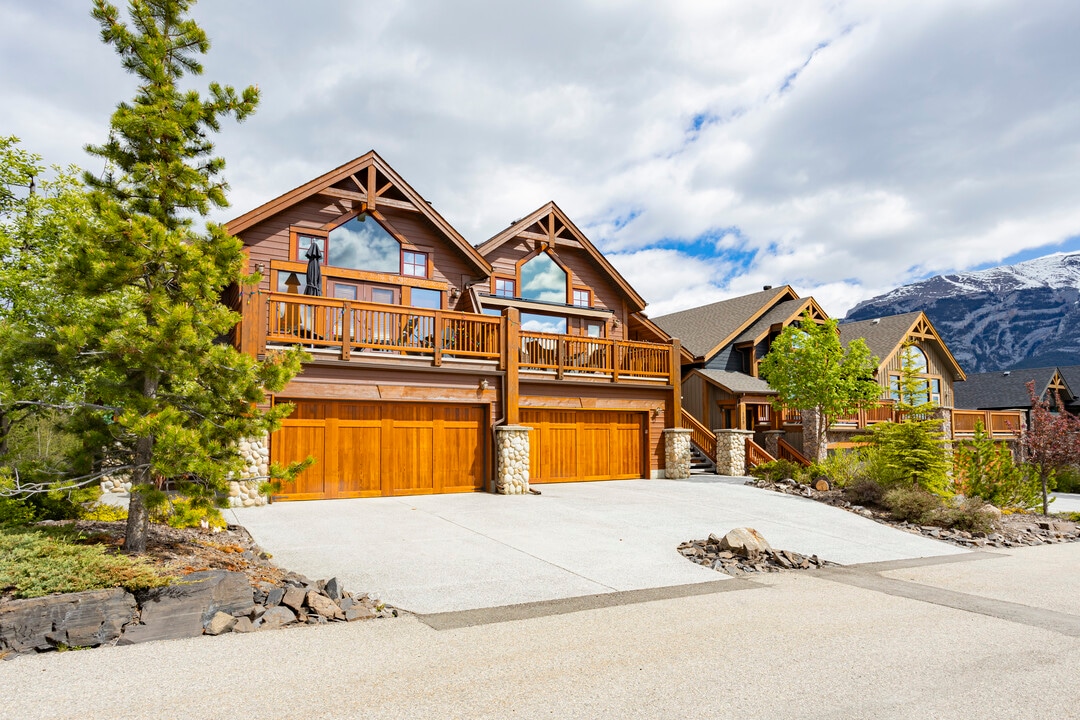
x,y
810,370
166,396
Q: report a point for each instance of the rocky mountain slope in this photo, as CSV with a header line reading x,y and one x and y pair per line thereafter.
x,y
1023,315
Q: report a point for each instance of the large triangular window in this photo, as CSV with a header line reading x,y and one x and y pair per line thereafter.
x,y
363,244
542,279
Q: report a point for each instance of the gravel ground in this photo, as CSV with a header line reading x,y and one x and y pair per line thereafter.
x,y
792,645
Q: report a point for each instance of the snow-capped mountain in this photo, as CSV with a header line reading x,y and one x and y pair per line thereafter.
x,y
1023,315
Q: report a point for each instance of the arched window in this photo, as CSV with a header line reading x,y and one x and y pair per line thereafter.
x,y
363,244
542,279
917,359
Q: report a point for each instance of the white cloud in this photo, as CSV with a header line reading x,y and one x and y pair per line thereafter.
x,y
854,145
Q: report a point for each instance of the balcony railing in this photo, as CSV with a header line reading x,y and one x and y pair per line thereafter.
x,y
1003,424
700,435
596,357
358,326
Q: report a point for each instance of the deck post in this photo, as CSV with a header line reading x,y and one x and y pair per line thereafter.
x,y
512,348
346,330
674,414
260,310
437,338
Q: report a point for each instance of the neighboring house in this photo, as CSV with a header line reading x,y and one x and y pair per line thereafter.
x,y
1007,389
424,347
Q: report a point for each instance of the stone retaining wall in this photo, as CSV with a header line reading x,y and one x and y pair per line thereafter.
x,y
677,453
731,451
512,459
244,491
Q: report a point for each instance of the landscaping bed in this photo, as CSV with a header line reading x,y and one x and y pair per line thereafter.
x,y
190,582
1004,530
744,551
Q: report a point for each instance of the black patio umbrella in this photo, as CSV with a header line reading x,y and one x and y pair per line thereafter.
x,y
313,276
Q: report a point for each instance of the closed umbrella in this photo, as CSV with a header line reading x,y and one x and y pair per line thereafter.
x,y
313,277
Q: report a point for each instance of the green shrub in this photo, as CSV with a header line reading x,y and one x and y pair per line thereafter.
x,y
985,469
968,516
842,467
36,562
188,511
1068,479
865,492
15,511
778,470
912,504
911,453
103,512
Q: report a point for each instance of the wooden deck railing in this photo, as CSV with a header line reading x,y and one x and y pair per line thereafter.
x,y
997,423
756,455
613,359
358,326
700,435
786,451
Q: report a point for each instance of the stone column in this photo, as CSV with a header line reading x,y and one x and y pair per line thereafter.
x,y
945,416
244,490
512,459
731,451
772,442
677,453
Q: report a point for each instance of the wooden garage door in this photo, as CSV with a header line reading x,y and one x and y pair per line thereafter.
x,y
573,445
372,449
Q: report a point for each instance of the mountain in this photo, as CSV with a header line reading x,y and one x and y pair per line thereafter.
x,y
1023,315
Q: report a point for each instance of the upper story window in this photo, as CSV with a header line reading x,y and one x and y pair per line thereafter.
x,y
414,264
535,322
363,244
582,298
917,359
542,279
304,243
505,288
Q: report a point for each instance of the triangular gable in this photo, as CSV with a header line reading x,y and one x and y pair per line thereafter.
x,y
550,224
922,329
765,324
370,181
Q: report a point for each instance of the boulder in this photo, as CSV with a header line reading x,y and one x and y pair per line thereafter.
x,y
274,597
359,612
324,606
294,598
82,619
243,625
333,589
746,542
183,608
275,617
219,624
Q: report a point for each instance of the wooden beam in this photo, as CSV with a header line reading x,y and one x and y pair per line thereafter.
x,y
371,190
339,193
673,416
383,189
512,397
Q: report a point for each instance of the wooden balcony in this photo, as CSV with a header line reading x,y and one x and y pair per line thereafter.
x,y
1000,424
352,330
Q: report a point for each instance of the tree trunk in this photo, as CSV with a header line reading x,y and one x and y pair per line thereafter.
x,y
1046,501
138,522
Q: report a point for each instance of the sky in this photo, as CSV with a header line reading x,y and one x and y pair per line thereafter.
x,y
707,148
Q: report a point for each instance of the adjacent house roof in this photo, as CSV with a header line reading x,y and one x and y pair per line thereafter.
x,y
551,223
782,314
737,383
1007,389
886,336
349,182
705,330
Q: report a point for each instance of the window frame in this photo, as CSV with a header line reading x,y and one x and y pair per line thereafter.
x,y
588,297
495,287
426,264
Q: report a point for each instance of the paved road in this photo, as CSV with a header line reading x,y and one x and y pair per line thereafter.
x,y
454,552
959,640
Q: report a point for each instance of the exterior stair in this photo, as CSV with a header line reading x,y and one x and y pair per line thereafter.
x,y
700,464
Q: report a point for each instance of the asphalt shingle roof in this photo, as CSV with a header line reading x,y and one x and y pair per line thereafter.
x,y
703,328
778,314
739,383
1007,389
882,335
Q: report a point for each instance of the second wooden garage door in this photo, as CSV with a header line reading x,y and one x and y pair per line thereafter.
x,y
372,449
573,445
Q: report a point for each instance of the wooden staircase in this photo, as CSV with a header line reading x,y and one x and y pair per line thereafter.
x,y
702,445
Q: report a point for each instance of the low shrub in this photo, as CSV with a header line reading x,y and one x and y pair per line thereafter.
x,y
778,470
188,512
969,516
15,511
103,512
985,469
911,504
864,492
37,562
1068,480
842,467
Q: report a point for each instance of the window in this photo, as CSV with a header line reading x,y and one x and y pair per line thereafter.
x,y
344,291
303,242
414,264
493,311
289,282
594,328
430,299
363,244
582,298
534,322
382,295
542,279
918,359
505,288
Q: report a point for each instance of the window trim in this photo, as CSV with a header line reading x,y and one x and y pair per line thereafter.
x,y
495,280
588,296
546,249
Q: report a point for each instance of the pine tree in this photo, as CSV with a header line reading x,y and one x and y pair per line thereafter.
x,y
166,396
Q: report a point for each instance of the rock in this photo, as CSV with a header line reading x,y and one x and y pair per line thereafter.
x,y
275,617
991,510
84,619
324,606
183,608
359,612
219,624
345,603
745,542
293,597
243,625
333,589
274,597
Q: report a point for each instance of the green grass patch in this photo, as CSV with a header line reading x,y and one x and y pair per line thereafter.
x,y
36,562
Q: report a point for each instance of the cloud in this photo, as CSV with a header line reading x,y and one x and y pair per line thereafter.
x,y
709,148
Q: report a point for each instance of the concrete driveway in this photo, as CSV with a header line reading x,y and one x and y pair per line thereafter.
x,y
442,553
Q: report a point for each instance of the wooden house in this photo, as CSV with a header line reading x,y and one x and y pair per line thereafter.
x,y
423,346
1006,390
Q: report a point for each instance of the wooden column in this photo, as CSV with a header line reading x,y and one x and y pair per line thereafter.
x,y
674,411
437,338
346,330
511,396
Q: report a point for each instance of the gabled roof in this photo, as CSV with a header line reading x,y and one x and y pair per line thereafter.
x,y
737,383
1007,389
782,314
551,222
360,179
640,322
886,336
707,329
